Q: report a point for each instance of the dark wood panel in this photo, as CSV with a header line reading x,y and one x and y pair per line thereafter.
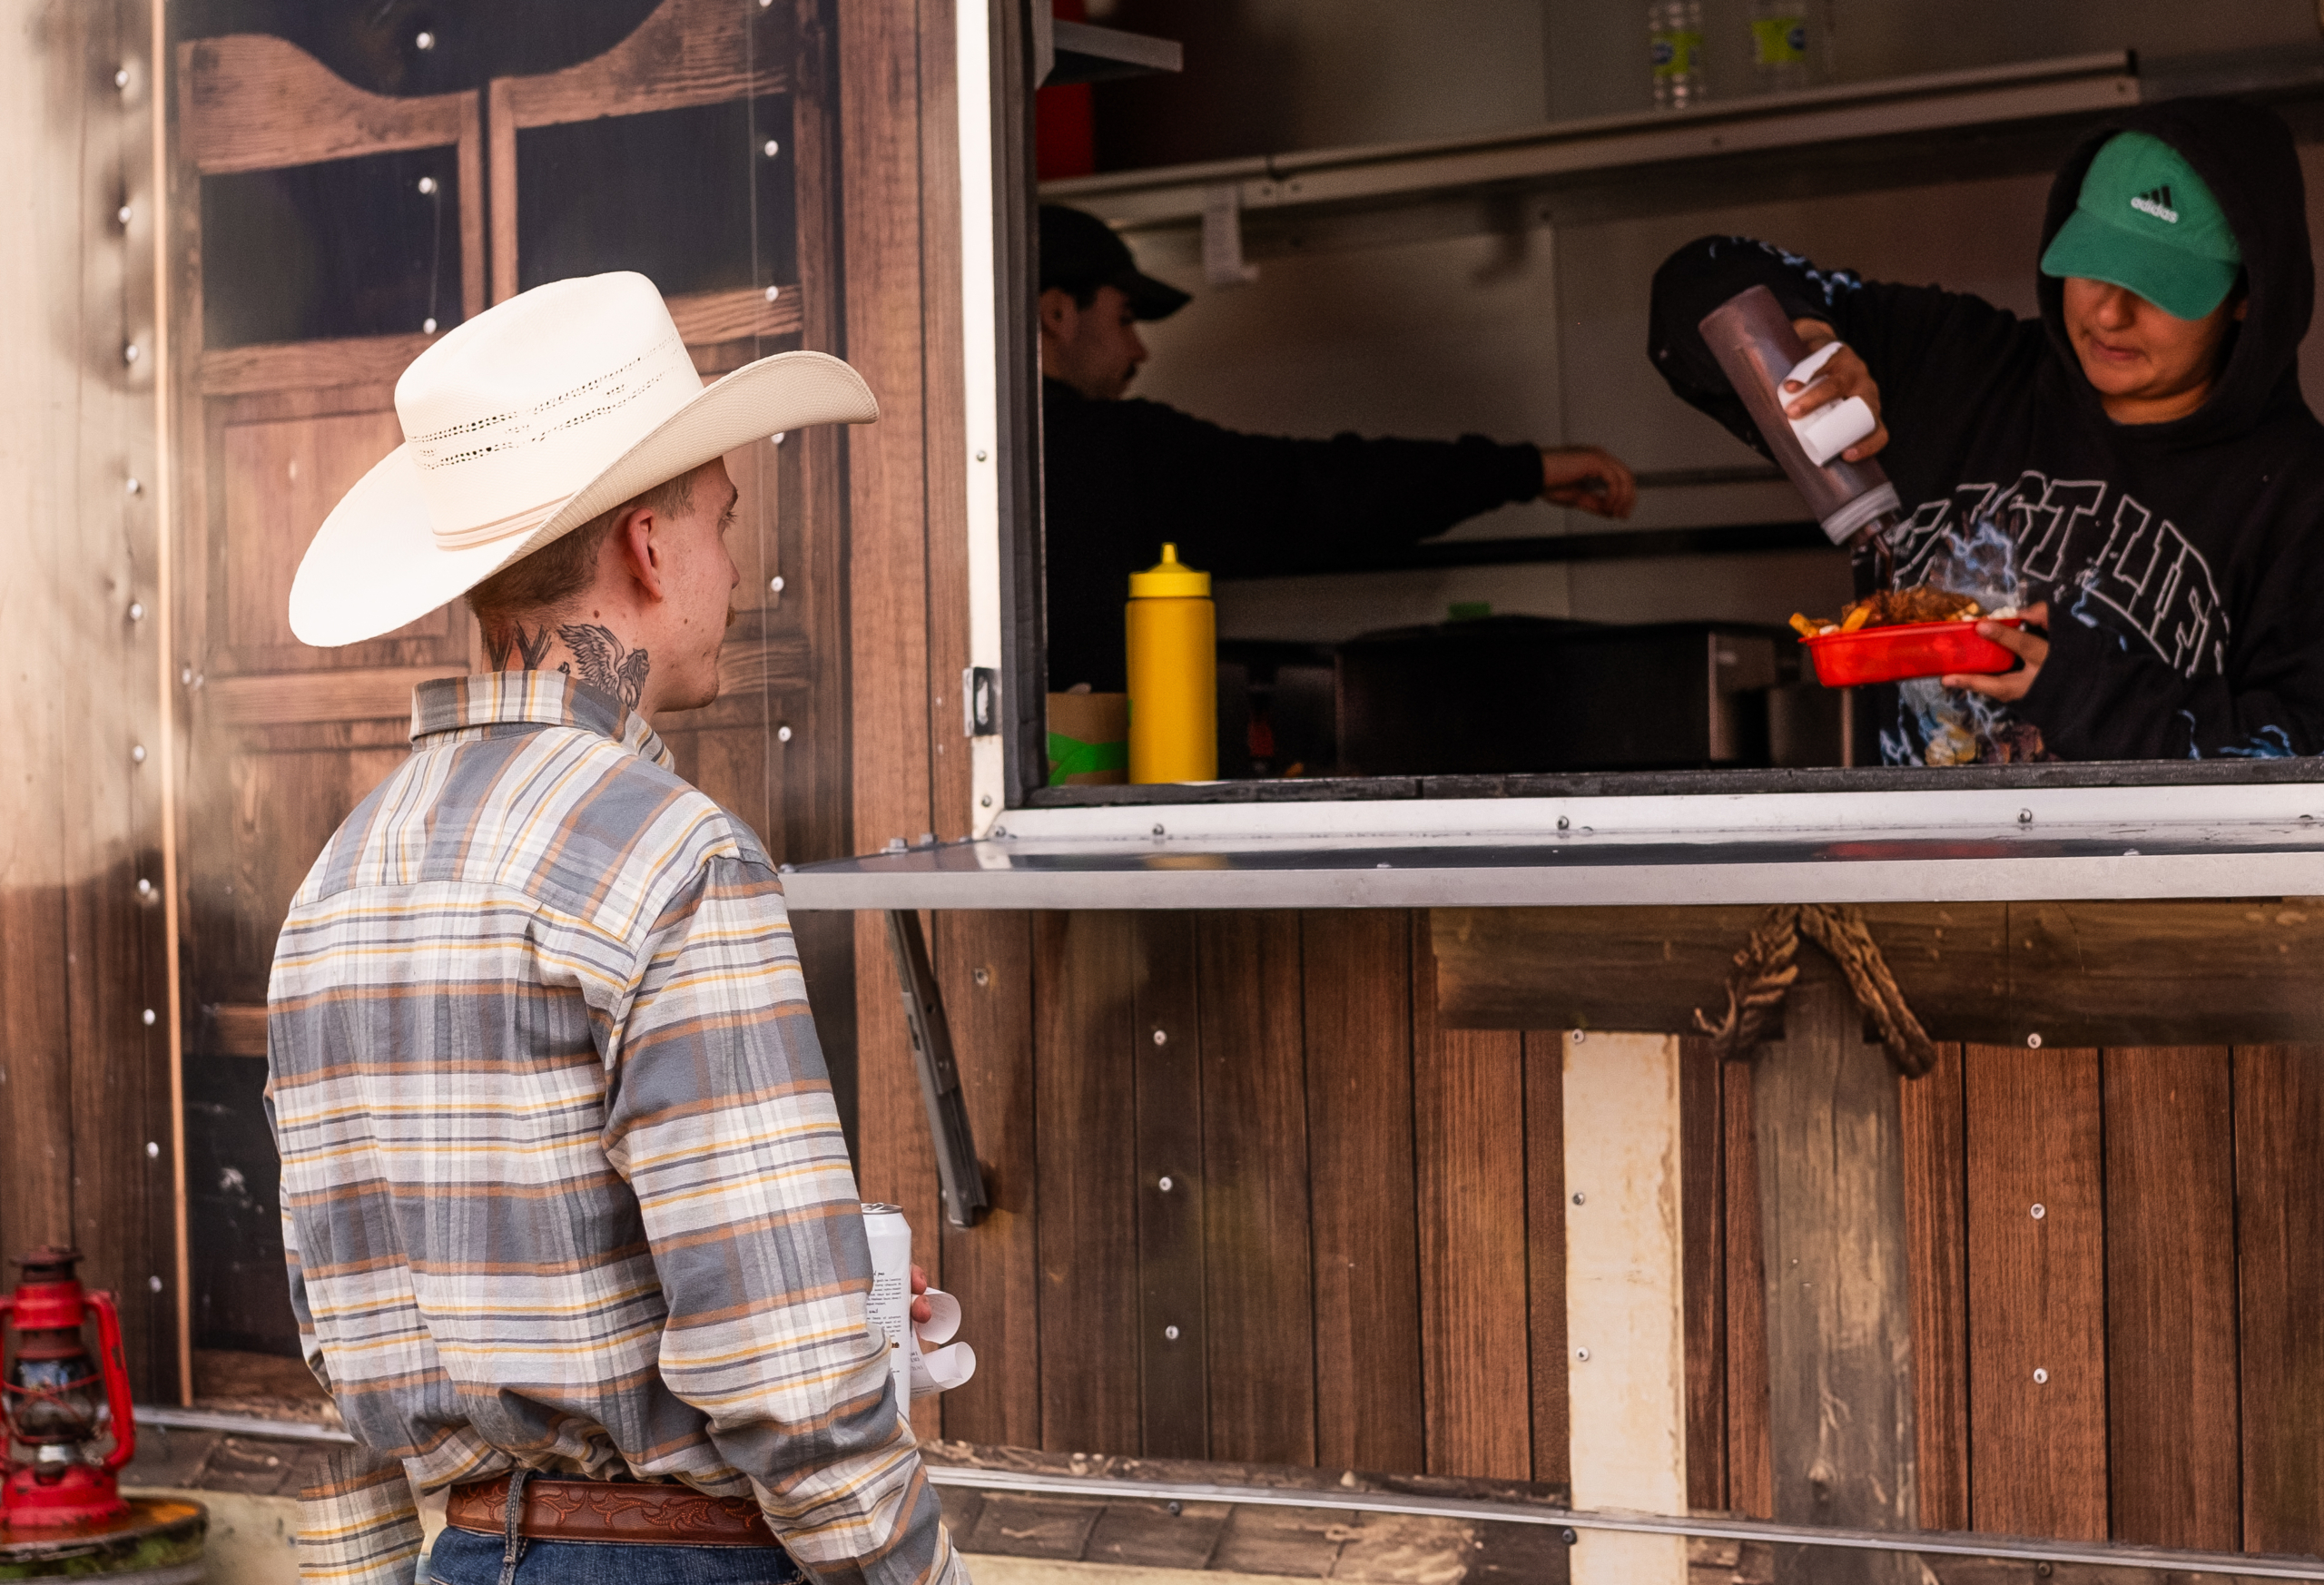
x,y
2076,973
1172,1338
1087,1190
2036,1292
1545,1257
1257,1281
252,101
1702,1237
2280,1263
1750,1452
984,965
2173,1457
1824,1109
1357,995
1470,1152
1935,1225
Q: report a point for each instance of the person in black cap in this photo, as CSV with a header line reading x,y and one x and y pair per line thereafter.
x,y
2143,445
1123,476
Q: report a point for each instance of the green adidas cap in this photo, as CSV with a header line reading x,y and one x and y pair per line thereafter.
x,y
2145,221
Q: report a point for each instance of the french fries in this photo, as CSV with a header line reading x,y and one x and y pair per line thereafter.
x,y
1895,608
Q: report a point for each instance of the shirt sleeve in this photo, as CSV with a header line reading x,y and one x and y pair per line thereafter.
x,y
360,1524
722,1121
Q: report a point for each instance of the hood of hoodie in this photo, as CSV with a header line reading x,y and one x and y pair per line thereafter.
x,y
2246,156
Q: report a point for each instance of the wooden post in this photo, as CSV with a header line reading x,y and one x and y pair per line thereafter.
x,y
1826,1113
1626,1351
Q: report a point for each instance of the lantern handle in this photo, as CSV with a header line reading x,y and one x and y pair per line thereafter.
x,y
115,1364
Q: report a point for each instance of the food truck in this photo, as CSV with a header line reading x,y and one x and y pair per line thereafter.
x,y
1554,1104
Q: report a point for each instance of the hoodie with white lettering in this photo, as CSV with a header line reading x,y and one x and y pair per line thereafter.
x,y
2183,562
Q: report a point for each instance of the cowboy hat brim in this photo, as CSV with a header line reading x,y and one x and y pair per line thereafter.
x,y
376,563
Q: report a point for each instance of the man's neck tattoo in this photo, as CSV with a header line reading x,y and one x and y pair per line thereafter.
x,y
601,660
503,638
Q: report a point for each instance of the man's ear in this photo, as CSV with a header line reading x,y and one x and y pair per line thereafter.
x,y
641,557
1058,311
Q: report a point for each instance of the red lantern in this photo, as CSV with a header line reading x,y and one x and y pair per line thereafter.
x,y
48,1402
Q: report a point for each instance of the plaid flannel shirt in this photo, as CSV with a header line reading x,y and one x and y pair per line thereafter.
x,y
562,1184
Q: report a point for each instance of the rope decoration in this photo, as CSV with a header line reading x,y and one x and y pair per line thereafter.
x,y
1767,966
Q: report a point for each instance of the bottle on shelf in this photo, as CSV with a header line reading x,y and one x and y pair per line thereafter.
x,y
1782,36
1674,46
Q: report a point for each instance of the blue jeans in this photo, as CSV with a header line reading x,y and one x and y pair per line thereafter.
x,y
464,1558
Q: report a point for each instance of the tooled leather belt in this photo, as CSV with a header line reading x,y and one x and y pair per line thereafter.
x,y
611,1511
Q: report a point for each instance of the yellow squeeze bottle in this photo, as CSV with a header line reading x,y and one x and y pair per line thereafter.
x,y
1172,673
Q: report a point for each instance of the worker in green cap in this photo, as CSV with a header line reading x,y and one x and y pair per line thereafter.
x,y
2136,470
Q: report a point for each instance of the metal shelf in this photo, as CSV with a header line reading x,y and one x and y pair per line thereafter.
x,y
1079,51
1869,119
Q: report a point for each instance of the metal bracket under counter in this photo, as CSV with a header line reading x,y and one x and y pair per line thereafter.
x,y
1985,843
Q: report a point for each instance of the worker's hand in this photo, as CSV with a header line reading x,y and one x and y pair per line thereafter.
x,y
922,1310
1844,376
2023,642
1589,478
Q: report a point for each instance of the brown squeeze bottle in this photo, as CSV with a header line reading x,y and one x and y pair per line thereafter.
x,y
1757,349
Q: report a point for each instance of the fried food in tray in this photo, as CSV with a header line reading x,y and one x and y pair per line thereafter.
x,y
1899,608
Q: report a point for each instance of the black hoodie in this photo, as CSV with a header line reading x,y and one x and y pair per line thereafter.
x,y
2183,562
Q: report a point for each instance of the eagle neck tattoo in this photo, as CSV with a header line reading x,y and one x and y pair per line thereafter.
x,y
599,658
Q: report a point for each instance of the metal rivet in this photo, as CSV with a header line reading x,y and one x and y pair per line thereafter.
x,y
2033,1043
137,754
981,976
185,676
423,40
144,887
133,487
774,584
1167,1184
2041,1376
428,326
2026,817
428,186
1175,1509
985,802
149,1017
136,610
782,734
120,77
1157,831
1568,1537
1170,1333
1565,823
774,292
778,436
152,1150
122,215
129,354
772,149
1579,1198
1161,1037
1579,1036
980,456
1000,831
2040,1212
153,1283
1581,1354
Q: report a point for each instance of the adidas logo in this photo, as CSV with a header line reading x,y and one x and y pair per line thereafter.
x,y
2158,204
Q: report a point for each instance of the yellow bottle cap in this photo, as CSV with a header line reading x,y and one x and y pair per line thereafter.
x,y
1169,578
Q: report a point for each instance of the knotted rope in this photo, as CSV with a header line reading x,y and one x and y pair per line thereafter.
x,y
1765,968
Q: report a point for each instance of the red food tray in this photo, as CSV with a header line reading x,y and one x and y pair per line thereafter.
x,y
1908,649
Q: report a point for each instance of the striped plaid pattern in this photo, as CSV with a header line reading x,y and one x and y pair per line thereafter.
x,y
562,1185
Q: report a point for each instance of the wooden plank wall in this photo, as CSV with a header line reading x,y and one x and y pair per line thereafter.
x,y
86,1143
1362,1237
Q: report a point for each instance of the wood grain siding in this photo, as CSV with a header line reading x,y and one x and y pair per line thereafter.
x,y
1085,1095
1356,989
1257,1283
1166,1054
252,101
1545,1329
1750,1453
2036,1291
1468,1137
984,966
1702,1220
2279,1267
358,362
1935,1217
2174,1453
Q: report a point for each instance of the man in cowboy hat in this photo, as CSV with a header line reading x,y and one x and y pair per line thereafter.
x,y
570,1224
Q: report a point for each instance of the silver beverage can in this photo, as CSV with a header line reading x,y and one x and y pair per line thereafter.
x,y
890,1236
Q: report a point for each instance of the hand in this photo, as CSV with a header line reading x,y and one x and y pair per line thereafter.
x,y
2023,642
1590,478
922,1310
1844,376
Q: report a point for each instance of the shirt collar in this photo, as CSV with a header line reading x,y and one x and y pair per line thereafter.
x,y
456,708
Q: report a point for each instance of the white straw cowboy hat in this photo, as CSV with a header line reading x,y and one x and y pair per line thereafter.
x,y
525,422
